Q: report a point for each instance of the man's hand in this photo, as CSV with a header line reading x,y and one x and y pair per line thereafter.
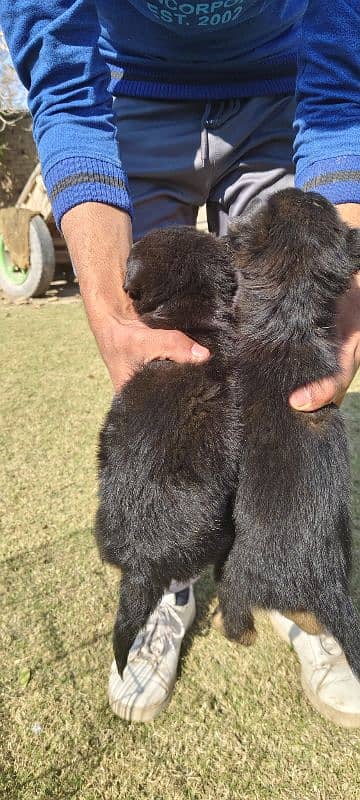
x,y
332,390
126,343
99,241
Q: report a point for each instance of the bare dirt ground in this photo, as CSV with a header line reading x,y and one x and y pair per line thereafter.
x,y
60,291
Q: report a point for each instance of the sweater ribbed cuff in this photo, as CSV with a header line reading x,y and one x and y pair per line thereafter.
x,y
337,179
82,179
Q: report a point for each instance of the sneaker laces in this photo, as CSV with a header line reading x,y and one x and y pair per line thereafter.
x,y
157,637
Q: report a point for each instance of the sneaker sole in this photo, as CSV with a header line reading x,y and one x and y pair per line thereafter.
x,y
136,714
341,718
332,714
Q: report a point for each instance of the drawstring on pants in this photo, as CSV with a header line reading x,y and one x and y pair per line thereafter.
x,y
204,141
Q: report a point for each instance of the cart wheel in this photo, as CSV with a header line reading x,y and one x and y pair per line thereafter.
x,y
19,283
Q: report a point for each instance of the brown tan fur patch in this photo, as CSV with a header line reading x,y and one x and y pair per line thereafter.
x,y
306,621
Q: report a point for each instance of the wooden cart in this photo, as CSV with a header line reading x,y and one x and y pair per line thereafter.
x,y
48,255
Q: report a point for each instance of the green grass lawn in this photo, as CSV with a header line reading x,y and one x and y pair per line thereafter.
x,y
238,725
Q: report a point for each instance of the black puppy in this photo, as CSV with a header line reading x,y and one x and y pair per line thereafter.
x,y
292,510
168,449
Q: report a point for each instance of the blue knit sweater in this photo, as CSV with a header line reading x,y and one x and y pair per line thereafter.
x,y
69,53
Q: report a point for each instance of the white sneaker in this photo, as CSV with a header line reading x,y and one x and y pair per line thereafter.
x,y
150,673
327,680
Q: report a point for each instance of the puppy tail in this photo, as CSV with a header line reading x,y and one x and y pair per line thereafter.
x,y
340,618
137,601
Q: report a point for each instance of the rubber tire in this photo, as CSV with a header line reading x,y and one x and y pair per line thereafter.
x,y
42,264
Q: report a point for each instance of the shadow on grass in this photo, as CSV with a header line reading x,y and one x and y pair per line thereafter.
x,y
205,591
68,777
30,555
10,785
63,780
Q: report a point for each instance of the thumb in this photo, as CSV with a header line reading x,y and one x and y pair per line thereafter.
x,y
315,395
175,346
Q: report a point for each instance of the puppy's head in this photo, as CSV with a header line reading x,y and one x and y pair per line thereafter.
x,y
295,256
172,263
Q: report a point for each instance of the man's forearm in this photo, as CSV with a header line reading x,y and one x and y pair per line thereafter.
x,y
99,240
332,390
350,213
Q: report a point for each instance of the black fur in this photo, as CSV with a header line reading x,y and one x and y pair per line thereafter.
x,y
168,449
292,548
179,439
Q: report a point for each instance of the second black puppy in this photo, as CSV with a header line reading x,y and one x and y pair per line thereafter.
x,y
168,449
292,549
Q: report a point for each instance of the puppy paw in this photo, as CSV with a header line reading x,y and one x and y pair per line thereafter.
x,y
248,637
121,646
121,662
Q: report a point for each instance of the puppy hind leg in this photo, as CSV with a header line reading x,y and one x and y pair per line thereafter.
x,y
123,638
136,603
219,569
233,617
241,628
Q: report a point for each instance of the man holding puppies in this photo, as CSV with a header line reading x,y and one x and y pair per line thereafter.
x,y
143,111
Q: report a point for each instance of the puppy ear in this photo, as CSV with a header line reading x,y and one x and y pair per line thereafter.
x,y
131,284
353,247
240,227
